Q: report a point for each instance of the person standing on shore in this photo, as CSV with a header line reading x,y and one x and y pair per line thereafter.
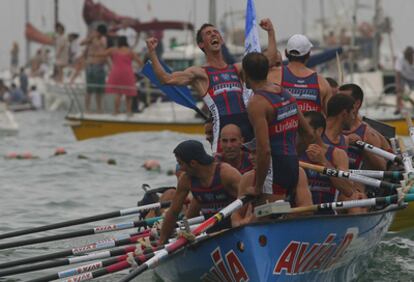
x,y
404,75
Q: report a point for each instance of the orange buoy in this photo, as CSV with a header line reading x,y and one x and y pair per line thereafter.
x,y
152,165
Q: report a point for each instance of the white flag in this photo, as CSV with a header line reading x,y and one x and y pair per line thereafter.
x,y
251,41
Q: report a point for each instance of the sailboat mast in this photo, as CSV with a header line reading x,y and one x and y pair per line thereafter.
x,y
27,15
56,11
212,18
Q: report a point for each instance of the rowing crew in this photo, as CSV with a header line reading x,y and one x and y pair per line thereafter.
x,y
273,115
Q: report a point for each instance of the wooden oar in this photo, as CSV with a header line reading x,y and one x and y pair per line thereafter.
x,y
364,203
118,240
379,174
139,260
93,256
120,252
95,265
182,241
378,151
389,187
73,234
123,212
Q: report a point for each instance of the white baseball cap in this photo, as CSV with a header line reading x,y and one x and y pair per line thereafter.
x,y
299,43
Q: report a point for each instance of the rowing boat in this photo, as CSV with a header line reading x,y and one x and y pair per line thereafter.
x,y
315,248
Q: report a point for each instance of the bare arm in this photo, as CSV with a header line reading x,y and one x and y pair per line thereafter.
x,y
193,209
230,178
175,208
271,53
186,77
137,59
341,161
257,116
305,128
374,161
325,92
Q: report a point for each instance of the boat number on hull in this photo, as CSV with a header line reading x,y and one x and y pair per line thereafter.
x,y
227,268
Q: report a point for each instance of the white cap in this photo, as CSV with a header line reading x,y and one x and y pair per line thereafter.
x,y
299,43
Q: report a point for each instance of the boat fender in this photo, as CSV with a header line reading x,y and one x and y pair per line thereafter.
x,y
60,151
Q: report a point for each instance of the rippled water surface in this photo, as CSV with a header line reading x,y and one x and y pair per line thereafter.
x,y
51,189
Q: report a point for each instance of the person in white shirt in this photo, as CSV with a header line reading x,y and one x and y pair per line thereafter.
x,y
404,74
35,98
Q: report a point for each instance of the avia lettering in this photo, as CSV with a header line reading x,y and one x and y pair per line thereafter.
x,y
105,228
301,257
225,268
82,277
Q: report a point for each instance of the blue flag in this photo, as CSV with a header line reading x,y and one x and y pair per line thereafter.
x,y
251,41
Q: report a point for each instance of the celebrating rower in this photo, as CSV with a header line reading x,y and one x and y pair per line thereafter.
x,y
361,131
312,91
212,184
217,82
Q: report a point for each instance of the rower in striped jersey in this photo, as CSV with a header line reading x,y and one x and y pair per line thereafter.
x,y
361,131
312,91
218,83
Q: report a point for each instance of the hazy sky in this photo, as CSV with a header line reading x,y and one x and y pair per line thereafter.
x,y
287,16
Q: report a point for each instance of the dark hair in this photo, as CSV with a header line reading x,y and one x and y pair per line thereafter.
x,y
338,103
101,29
356,91
59,25
408,52
332,82
256,66
199,37
301,59
122,41
316,119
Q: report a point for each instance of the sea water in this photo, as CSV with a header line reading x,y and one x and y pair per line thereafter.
x,y
51,188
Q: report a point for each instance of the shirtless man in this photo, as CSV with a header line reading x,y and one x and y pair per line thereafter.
x,y
95,44
361,131
231,142
311,90
213,185
217,82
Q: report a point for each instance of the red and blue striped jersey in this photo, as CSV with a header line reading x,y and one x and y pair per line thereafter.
x,y
213,197
355,153
319,184
341,144
245,162
224,98
284,126
304,89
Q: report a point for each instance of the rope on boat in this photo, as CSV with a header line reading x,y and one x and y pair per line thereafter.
x,y
188,235
131,260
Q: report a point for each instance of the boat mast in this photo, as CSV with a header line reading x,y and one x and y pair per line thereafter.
x,y
26,12
212,13
377,35
354,28
56,11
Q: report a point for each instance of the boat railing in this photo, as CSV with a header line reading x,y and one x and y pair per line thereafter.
x,y
147,95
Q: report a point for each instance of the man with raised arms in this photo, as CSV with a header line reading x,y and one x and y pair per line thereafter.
x,y
217,82
361,131
311,90
213,185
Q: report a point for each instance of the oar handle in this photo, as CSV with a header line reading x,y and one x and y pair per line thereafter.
x,y
331,172
378,151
